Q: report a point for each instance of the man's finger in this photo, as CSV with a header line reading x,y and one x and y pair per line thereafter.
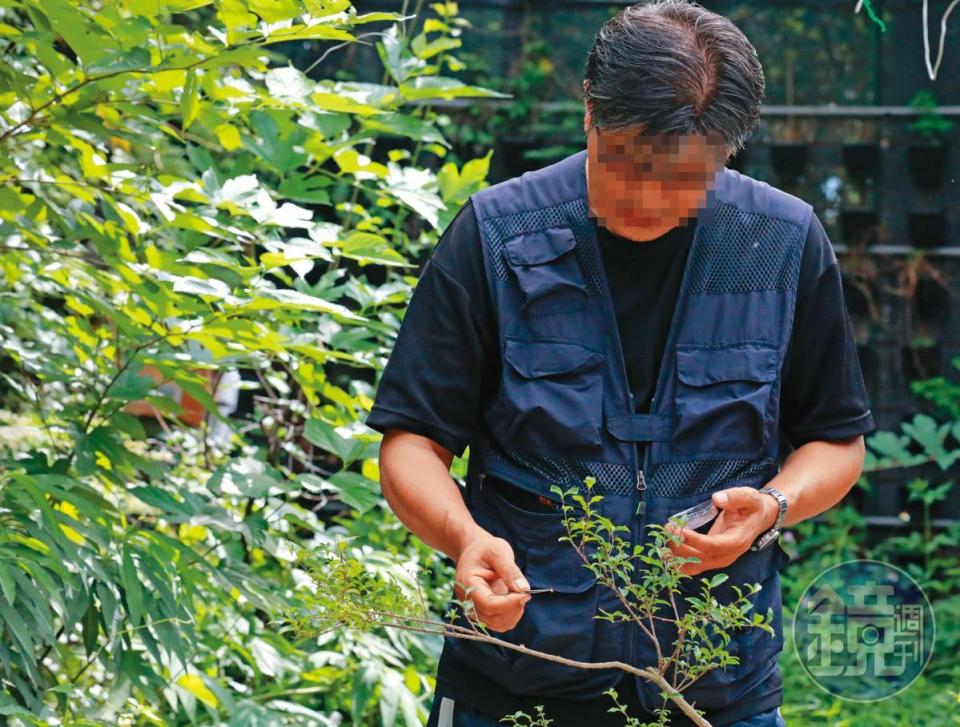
x,y
502,561
499,587
734,498
717,544
491,603
684,550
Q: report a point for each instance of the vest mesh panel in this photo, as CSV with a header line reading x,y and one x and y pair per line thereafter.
x,y
670,479
612,479
676,479
763,255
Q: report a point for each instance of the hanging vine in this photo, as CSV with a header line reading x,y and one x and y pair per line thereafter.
x,y
933,68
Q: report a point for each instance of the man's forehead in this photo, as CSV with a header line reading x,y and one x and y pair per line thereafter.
x,y
655,144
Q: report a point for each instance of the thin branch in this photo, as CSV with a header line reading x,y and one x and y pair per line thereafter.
x,y
647,673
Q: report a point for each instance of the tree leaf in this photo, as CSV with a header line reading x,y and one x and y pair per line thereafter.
x,y
194,684
190,99
132,589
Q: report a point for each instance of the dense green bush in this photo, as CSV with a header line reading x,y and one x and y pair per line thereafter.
x,y
179,205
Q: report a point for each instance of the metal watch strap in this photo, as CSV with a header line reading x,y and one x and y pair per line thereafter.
x,y
773,533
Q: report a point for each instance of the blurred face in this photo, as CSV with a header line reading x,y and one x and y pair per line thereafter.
x,y
641,186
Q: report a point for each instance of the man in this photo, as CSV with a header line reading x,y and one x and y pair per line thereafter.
x,y
638,313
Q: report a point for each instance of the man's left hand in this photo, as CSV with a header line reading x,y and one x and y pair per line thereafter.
x,y
745,513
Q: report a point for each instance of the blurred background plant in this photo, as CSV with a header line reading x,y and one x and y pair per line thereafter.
x,y
203,268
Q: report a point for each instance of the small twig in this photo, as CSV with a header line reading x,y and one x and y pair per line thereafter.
x,y
648,673
332,48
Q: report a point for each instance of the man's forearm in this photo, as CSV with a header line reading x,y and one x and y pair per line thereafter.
x,y
816,476
415,479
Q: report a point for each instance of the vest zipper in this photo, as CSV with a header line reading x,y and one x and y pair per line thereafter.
x,y
641,478
641,486
641,483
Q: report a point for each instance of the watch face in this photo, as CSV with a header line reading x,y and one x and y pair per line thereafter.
x,y
764,540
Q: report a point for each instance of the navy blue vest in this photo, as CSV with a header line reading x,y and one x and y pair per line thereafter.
x,y
564,411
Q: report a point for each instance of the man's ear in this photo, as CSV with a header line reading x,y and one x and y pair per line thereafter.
x,y
586,113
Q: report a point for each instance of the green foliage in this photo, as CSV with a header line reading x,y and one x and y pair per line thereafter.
x,y
927,553
931,125
178,204
354,595
648,583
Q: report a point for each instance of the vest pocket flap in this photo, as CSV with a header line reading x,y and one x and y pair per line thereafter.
x,y
533,359
556,566
702,365
540,247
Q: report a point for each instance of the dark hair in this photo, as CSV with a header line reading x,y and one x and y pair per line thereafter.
x,y
676,68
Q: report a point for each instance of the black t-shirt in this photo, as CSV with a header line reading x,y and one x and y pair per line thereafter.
x,y
446,362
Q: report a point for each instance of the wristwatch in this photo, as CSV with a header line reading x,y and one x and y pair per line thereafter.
x,y
773,533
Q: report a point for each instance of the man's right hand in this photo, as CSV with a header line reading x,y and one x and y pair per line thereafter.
x,y
486,566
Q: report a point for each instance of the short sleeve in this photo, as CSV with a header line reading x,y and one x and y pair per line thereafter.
x,y
434,380
823,396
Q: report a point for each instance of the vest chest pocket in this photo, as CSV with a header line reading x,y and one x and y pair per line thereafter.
x,y
551,397
547,271
722,399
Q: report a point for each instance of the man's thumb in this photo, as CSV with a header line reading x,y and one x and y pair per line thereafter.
x,y
734,497
507,569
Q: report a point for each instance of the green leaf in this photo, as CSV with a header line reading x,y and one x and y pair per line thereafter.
x,y
324,435
424,48
319,31
271,299
78,30
190,99
718,579
249,477
132,589
7,584
91,627
131,385
440,87
357,491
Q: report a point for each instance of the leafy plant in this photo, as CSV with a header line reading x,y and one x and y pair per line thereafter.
x,y
931,126
348,595
179,207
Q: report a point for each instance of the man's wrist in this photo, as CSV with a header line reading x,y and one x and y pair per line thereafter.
x,y
771,512
772,531
461,533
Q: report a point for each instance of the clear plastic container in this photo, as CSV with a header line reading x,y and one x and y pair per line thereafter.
x,y
696,516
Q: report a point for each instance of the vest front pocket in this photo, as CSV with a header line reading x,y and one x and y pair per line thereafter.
x,y
551,397
547,271
722,399
559,621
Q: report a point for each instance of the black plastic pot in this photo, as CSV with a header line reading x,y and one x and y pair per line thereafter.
x,y
856,300
862,160
858,225
789,161
920,362
927,229
933,300
927,163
